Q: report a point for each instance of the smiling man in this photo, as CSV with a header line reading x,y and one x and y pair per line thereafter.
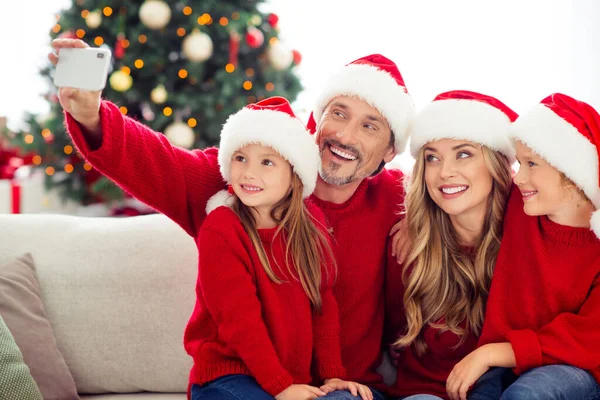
x,y
361,122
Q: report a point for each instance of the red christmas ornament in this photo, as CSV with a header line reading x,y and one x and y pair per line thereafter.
x,y
234,47
119,49
254,37
297,57
273,19
68,35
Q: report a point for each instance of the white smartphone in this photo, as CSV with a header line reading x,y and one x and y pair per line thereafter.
x,y
82,68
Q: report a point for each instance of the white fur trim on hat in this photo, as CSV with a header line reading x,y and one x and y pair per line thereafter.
x,y
595,222
562,145
286,134
462,119
380,90
221,198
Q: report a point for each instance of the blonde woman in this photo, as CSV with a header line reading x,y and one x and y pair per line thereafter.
x,y
454,210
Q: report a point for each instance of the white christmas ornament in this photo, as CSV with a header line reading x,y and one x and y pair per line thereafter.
x,y
159,94
120,81
280,56
155,14
197,46
94,19
180,134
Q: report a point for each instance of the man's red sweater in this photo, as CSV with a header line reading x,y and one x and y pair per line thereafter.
x,y
427,373
545,294
360,228
178,183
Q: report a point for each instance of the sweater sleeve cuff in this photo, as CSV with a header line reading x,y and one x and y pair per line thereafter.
x,y
527,349
278,384
76,131
332,371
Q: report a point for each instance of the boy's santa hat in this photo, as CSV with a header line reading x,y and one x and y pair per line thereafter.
x,y
464,115
376,80
566,133
270,122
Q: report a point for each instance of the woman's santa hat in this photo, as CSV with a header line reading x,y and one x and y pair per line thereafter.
x,y
464,115
270,122
566,133
376,80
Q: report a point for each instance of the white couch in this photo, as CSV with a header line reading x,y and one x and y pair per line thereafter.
x,y
118,293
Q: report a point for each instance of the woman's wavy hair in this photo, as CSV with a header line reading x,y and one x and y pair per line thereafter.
x,y
444,287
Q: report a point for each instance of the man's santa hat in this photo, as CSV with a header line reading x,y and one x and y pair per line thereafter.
x,y
376,80
566,133
464,115
270,122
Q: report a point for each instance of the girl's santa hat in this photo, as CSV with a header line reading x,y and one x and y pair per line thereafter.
x,y
376,80
270,122
566,133
464,115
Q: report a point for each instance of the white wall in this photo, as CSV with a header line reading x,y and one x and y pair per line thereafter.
x,y
517,50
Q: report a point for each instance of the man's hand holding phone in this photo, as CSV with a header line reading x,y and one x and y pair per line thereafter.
x,y
82,104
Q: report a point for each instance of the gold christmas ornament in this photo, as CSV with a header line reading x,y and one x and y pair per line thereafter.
x,y
120,81
197,46
159,94
180,134
155,14
280,56
94,19
255,20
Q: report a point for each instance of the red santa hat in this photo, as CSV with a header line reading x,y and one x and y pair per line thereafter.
x,y
464,115
377,80
270,122
566,133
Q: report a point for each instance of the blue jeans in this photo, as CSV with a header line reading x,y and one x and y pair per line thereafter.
x,y
549,382
345,395
230,387
244,387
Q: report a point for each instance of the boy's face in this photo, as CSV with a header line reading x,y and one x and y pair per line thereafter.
x,y
542,186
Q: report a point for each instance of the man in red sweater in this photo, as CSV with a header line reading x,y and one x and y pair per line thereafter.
x,y
360,121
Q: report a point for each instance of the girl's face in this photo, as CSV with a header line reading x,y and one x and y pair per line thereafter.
x,y
541,185
260,177
457,177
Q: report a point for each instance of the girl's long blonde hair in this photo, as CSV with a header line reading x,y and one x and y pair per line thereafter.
x,y
307,248
441,282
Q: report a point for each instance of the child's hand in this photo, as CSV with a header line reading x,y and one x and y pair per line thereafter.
x,y
356,389
401,243
83,105
300,392
466,373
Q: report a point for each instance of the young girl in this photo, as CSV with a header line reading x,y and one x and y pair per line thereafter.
x,y
542,323
454,209
265,313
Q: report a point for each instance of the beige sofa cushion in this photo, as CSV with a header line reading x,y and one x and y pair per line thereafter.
x,y
118,292
23,311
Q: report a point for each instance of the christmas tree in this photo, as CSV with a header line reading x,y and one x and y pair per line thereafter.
x,y
179,67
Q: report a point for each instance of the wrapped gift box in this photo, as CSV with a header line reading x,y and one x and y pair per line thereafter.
x,y
24,193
